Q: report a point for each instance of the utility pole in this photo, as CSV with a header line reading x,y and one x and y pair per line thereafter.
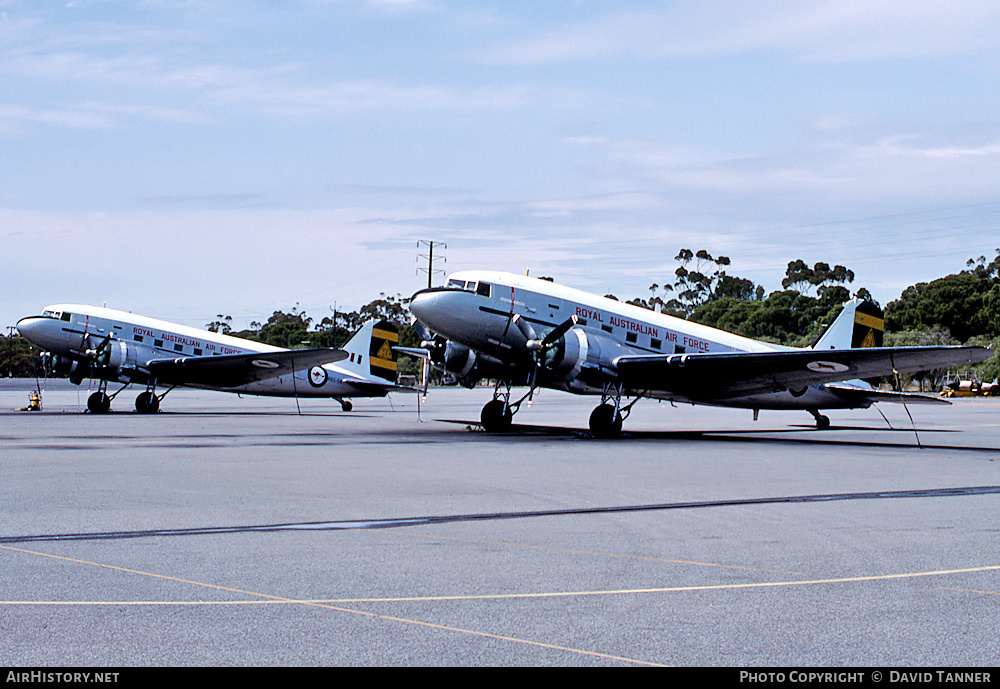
x,y
430,258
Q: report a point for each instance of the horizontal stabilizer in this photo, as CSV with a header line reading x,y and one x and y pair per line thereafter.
x,y
860,395
234,370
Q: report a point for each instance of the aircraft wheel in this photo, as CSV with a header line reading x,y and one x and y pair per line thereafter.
x,y
822,422
147,403
99,403
346,406
606,422
496,417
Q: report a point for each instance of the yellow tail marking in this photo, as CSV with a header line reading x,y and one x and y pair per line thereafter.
x,y
382,363
385,335
385,352
869,321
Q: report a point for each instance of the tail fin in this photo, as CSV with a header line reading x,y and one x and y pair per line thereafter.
x,y
370,351
859,324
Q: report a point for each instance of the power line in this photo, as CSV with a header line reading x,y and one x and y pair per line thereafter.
x,y
430,244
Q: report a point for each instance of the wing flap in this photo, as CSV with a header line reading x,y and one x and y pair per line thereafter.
x,y
716,376
234,370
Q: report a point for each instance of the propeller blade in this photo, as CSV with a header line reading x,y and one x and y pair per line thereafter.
x,y
422,332
525,327
558,332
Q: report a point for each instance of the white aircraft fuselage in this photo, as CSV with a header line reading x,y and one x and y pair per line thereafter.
x,y
496,324
127,348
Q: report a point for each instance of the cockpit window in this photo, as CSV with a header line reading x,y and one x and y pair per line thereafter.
x,y
470,286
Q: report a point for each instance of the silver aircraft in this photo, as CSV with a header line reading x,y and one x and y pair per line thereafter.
x,y
519,330
107,345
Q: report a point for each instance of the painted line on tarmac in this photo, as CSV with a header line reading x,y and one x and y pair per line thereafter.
x,y
496,516
265,599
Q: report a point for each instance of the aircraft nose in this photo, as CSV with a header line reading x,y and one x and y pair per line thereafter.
x,y
436,308
37,330
422,305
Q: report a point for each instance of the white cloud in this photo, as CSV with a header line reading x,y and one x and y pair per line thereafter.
x,y
829,30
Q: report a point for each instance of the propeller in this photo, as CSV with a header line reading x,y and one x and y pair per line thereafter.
x,y
434,344
539,347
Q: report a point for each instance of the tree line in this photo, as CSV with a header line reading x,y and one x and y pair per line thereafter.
x,y
961,308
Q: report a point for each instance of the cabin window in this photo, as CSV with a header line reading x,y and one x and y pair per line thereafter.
x,y
606,328
137,338
655,344
67,316
631,338
581,321
679,350
178,348
197,352
157,343
483,289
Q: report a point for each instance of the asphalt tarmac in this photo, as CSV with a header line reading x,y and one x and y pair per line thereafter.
x,y
227,531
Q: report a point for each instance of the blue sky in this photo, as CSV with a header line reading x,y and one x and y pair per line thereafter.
x,y
187,158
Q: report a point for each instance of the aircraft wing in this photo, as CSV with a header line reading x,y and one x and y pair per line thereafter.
x,y
233,370
718,376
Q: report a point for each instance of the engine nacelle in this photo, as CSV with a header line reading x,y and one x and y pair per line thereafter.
x,y
469,367
458,359
109,362
583,354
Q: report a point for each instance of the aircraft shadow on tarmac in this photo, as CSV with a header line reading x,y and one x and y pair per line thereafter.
x,y
802,435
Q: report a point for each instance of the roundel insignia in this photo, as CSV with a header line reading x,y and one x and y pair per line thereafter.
x,y
264,363
826,367
317,376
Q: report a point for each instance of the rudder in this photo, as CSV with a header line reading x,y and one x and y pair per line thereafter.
x,y
371,352
859,324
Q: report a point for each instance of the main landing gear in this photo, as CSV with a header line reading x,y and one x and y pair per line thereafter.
x,y
605,420
147,402
99,402
498,413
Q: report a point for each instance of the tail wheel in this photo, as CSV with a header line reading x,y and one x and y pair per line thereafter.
x,y
606,422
